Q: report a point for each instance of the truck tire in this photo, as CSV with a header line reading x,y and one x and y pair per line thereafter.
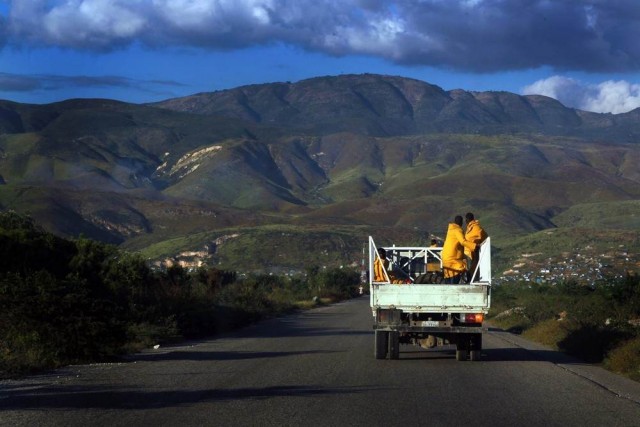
x,y
463,342
381,344
394,345
475,345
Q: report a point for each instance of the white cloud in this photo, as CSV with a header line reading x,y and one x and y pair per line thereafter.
x,y
213,15
614,97
379,37
91,24
606,97
566,90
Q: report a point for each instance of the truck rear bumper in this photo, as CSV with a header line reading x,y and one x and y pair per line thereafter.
x,y
432,329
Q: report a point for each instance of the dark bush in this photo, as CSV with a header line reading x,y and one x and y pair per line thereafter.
x,y
65,301
591,342
57,319
333,283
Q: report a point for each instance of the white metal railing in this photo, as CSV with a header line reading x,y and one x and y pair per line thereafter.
x,y
482,273
407,261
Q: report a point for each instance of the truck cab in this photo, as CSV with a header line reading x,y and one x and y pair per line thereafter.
x,y
411,304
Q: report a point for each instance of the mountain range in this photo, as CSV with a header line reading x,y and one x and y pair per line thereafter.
x,y
285,175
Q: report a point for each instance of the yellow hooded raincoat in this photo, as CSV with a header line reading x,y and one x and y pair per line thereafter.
x,y
453,261
474,233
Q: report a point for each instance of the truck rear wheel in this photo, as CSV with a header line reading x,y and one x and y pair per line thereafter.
x,y
394,345
381,344
463,342
461,355
475,345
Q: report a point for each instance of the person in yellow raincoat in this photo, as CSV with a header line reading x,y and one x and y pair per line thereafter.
x,y
454,263
476,234
380,266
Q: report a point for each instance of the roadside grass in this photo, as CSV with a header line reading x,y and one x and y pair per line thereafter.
x,y
147,334
548,332
512,320
625,359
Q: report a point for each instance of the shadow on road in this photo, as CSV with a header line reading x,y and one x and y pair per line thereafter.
x,y
293,330
517,354
102,397
513,354
219,355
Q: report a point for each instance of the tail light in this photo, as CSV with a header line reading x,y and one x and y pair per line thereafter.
x,y
471,317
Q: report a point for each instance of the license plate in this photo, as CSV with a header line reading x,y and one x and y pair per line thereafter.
x,y
430,323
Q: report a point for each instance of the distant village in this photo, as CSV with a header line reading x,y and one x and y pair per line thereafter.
x,y
585,266
191,260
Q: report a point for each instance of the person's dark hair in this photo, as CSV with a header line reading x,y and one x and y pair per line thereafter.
x,y
469,216
382,252
434,241
458,220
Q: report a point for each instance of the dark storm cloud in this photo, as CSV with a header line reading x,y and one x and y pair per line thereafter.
x,y
4,28
495,35
17,83
465,35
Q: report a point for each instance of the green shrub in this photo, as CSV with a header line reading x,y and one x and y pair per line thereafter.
x,y
549,332
57,320
26,248
23,352
625,359
247,299
145,335
335,283
513,320
503,298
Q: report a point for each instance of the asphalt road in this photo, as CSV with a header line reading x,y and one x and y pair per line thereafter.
x,y
317,368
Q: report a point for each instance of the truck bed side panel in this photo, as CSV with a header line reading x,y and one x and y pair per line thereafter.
x,y
428,298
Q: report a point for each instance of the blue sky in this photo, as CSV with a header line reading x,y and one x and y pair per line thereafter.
x,y
584,53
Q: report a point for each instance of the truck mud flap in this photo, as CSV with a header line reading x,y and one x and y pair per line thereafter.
x,y
387,343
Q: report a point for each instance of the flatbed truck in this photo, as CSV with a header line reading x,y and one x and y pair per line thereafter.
x,y
412,305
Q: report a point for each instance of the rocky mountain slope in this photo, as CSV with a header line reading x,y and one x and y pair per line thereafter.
x,y
333,158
